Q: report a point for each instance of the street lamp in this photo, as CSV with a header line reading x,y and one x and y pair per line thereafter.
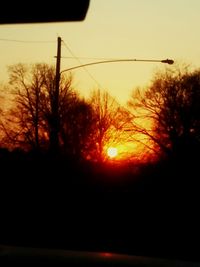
x,y
166,61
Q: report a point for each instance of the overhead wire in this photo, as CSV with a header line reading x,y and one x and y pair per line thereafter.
x,y
66,46
24,41
78,60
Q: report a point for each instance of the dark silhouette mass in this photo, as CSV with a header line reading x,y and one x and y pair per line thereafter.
x,y
77,198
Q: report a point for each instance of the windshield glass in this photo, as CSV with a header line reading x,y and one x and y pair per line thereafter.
x,y
100,130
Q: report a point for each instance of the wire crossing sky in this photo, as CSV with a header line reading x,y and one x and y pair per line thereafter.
x,y
114,29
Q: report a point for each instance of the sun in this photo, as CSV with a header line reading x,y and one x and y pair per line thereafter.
x,y
112,152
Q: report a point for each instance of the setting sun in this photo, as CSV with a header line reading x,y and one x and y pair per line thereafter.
x,y
112,152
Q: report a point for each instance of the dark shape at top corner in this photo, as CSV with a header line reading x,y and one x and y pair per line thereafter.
x,y
43,12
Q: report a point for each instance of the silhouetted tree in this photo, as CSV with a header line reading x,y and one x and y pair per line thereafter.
x,y
25,116
170,112
31,119
74,115
109,121
65,99
76,130
3,93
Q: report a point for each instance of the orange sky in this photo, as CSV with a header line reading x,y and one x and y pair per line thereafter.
x,y
143,29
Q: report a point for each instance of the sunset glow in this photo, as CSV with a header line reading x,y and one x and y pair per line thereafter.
x,y
112,152
127,151
122,151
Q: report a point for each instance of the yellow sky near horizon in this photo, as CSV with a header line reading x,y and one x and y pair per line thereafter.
x,y
141,29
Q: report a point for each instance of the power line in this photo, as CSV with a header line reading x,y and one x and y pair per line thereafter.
x,y
75,57
24,41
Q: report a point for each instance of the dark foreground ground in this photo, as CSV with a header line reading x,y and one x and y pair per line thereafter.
x,y
57,204
57,257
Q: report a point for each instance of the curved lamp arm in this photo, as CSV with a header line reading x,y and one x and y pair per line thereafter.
x,y
166,61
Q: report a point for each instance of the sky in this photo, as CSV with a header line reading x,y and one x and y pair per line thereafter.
x,y
130,29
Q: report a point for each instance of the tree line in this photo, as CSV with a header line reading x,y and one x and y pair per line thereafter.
x,y
164,117
30,121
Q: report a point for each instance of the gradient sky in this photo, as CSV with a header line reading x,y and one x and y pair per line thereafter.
x,y
142,29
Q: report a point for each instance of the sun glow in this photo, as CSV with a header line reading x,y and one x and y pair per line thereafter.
x,y
123,152
112,152
126,148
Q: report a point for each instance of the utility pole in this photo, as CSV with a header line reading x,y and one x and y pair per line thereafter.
x,y
55,123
